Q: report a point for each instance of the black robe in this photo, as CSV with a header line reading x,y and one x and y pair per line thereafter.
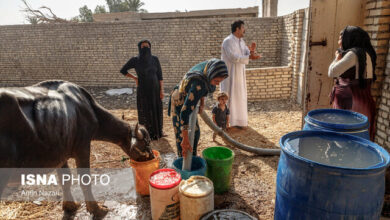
x,y
149,104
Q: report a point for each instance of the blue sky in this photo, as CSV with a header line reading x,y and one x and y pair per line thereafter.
x,y
10,9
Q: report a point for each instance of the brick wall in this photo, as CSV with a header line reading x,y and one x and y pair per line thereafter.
x,y
296,50
269,83
91,54
383,123
377,24
287,32
291,48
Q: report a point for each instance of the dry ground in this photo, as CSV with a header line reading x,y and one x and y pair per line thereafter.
x,y
254,177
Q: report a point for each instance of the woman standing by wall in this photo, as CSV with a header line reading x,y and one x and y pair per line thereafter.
x,y
150,90
354,70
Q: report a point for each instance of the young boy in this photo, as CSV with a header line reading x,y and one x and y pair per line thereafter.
x,y
221,112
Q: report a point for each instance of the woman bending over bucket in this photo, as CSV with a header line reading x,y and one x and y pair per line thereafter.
x,y
195,85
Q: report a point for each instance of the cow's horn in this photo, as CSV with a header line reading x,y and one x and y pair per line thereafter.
x,y
138,133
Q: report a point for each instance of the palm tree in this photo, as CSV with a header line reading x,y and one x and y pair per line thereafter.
x,y
135,5
125,5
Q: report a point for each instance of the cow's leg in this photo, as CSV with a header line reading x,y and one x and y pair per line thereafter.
x,y
5,175
68,204
82,161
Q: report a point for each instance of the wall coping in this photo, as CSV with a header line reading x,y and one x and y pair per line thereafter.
x,y
251,11
109,23
145,21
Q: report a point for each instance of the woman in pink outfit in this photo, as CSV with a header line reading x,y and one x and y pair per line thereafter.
x,y
354,72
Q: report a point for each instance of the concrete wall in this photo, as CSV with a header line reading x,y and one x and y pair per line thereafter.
x,y
303,58
270,8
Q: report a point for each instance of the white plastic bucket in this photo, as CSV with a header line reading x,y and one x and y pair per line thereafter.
x,y
164,194
196,197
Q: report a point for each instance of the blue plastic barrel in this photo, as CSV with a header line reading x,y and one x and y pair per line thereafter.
x,y
329,175
338,120
198,167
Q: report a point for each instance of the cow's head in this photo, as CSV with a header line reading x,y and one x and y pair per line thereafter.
x,y
141,150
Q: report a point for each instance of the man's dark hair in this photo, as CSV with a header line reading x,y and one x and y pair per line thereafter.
x,y
236,24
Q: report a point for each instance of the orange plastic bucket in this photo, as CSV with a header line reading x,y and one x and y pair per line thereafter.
x,y
142,172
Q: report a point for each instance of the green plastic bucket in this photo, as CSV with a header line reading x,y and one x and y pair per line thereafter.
x,y
219,166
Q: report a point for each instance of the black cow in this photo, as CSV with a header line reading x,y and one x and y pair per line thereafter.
x,y
43,125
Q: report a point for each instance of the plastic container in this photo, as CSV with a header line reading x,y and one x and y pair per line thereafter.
x,y
164,194
142,171
196,197
219,166
348,185
338,120
227,214
198,167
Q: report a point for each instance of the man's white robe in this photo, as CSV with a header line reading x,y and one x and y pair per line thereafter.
x,y
235,53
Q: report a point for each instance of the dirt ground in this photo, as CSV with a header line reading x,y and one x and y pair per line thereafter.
x,y
253,178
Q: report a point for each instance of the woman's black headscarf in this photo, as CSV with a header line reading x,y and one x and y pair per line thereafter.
x,y
145,54
355,39
205,71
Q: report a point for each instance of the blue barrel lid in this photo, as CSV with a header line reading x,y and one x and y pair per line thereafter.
x,y
349,152
337,119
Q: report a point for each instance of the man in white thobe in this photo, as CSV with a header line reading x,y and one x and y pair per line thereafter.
x,y
236,55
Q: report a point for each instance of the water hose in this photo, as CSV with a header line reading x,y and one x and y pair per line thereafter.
x,y
231,141
187,160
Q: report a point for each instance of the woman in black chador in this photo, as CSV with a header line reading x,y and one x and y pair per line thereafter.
x,y
149,83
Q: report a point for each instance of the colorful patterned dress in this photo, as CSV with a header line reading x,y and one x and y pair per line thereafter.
x,y
194,91
196,83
